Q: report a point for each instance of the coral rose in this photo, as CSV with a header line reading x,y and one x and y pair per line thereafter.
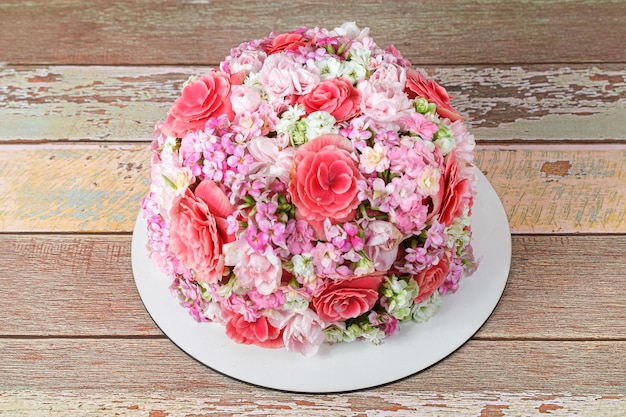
x,y
336,96
199,230
259,332
201,99
455,193
324,181
431,279
285,42
347,298
418,85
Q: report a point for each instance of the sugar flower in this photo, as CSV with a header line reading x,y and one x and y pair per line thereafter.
x,y
315,188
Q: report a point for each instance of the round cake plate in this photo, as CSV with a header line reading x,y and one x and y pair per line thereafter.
x,y
344,366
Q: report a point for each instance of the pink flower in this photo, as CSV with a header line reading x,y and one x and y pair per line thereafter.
x,y
304,333
382,102
259,332
431,279
336,96
454,195
283,76
374,159
418,85
262,271
200,100
381,244
199,230
244,99
420,125
347,298
324,181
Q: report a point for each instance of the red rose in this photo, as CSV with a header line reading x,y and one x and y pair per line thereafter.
x,y
457,192
285,42
324,181
259,332
431,279
198,230
200,100
347,298
336,96
418,85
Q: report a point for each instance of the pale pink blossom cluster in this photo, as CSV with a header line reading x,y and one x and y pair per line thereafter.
x,y
314,188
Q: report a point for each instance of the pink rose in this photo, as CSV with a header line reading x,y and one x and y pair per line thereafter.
x,y
454,194
336,96
198,230
324,181
259,332
381,244
304,333
285,42
347,298
431,279
262,271
418,85
200,100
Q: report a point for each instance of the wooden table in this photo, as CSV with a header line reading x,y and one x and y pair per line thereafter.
x,y
543,84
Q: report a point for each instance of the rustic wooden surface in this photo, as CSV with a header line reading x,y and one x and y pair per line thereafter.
x,y
543,84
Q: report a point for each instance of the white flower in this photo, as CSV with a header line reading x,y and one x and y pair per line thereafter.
x,y
428,181
303,265
350,30
329,68
289,118
423,311
445,143
319,123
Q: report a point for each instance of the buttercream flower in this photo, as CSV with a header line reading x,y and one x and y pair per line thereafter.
x,y
455,193
432,278
285,42
201,99
198,230
418,85
303,332
283,76
259,332
324,181
336,96
307,191
383,102
262,271
347,298
381,244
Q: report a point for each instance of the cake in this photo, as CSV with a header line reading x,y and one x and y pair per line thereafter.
x,y
315,188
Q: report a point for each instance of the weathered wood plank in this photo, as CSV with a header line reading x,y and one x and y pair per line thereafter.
x,y
501,103
543,298
426,404
176,32
70,286
157,365
559,189
544,188
72,187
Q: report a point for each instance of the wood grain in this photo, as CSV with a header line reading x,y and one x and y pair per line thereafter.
x,y
178,32
552,290
99,187
157,365
500,102
30,403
